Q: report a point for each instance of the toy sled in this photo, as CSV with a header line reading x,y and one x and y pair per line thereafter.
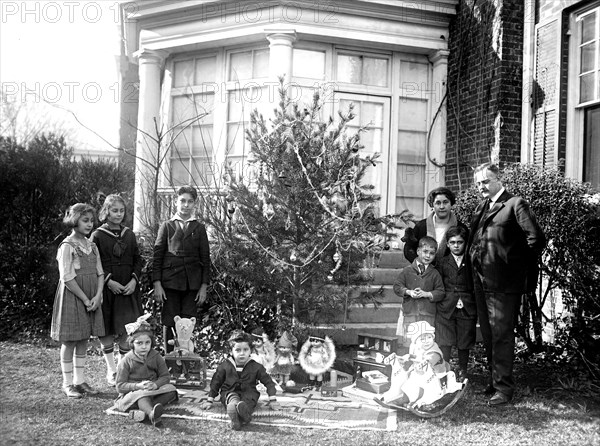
x,y
431,410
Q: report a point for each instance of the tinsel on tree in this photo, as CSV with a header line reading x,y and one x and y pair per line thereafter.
x,y
301,221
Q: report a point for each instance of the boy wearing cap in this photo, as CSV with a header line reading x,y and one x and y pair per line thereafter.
x,y
235,380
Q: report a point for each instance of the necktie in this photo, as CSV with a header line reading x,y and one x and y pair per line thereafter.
x,y
421,268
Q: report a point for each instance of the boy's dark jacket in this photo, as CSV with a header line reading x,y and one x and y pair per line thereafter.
x,y
226,379
181,258
458,284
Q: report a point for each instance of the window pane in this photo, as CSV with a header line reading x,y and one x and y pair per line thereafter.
x,y
261,63
180,171
411,147
413,115
410,181
182,143
588,57
235,137
309,64
375,72
349,68
184,109
592,146
412,204
587,87
372,114
413,76
588,28
240,66
184,73
202,141
372,140
206,70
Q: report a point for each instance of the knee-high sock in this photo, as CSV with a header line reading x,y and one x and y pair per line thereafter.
x,y
66,364
79,362
109,357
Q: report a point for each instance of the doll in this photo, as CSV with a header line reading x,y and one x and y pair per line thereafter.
x,y
316,357
263,350
422,376
284,358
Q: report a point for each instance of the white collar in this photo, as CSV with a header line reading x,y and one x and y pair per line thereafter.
x,y
176,217
495,197
458,259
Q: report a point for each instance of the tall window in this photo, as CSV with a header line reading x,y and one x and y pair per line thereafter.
x,y
247,71
591,166
589,51
192,120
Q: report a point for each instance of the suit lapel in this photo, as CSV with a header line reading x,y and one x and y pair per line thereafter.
x,y
191,226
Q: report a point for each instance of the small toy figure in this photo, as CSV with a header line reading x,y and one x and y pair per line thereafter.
x,y
421,377
263,350
316,357
184,346
284,358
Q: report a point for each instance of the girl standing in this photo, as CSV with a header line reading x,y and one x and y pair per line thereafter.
x,y
143,376
77,313
122,264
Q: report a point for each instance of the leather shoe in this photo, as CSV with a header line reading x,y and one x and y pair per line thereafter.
x,y
156,413
499,399
71,391
86,388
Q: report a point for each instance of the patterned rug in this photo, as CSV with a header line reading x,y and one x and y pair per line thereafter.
x,y
309,409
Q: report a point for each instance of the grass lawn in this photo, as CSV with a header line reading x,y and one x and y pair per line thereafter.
x,y
34,411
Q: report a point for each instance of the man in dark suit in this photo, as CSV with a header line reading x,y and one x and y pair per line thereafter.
x,y
505,242
181,263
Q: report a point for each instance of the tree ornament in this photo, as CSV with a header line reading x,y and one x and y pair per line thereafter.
x,y
293,256
268,211
337,256
330,277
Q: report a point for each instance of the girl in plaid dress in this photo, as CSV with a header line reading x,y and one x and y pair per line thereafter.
x,y
77,313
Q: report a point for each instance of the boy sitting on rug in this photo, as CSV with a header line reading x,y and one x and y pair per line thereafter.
x,y
235,379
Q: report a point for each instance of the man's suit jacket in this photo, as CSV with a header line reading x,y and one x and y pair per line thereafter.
x,y
181,258
506,245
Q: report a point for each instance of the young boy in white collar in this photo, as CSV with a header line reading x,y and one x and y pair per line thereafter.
x,y
456,315
420,286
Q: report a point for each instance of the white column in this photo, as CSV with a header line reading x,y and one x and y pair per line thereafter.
x,y
281,46
146,169
434,175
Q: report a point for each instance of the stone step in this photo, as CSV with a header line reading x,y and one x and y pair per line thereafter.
x,y
383,276
384,294
392,259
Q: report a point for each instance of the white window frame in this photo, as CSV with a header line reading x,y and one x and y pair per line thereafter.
x,y
574,162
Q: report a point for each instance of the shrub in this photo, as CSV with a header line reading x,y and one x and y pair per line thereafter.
x,y
38,183
568,212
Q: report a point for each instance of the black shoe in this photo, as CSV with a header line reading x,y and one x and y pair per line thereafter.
x,y
156,413
86,388
244,413
499,399
71,391
233,416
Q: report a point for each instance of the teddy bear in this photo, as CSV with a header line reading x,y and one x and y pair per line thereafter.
x,y
184,346
316,357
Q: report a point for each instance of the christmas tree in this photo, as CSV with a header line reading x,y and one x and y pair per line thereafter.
x,y
300,221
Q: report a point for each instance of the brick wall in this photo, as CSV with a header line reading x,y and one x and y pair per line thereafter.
x,y
484,87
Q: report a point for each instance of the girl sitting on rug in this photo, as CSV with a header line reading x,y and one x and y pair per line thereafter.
x,y
143,376
235,379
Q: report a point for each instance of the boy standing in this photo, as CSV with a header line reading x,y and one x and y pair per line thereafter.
x,y
456,316
420,286
236,378
181,263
